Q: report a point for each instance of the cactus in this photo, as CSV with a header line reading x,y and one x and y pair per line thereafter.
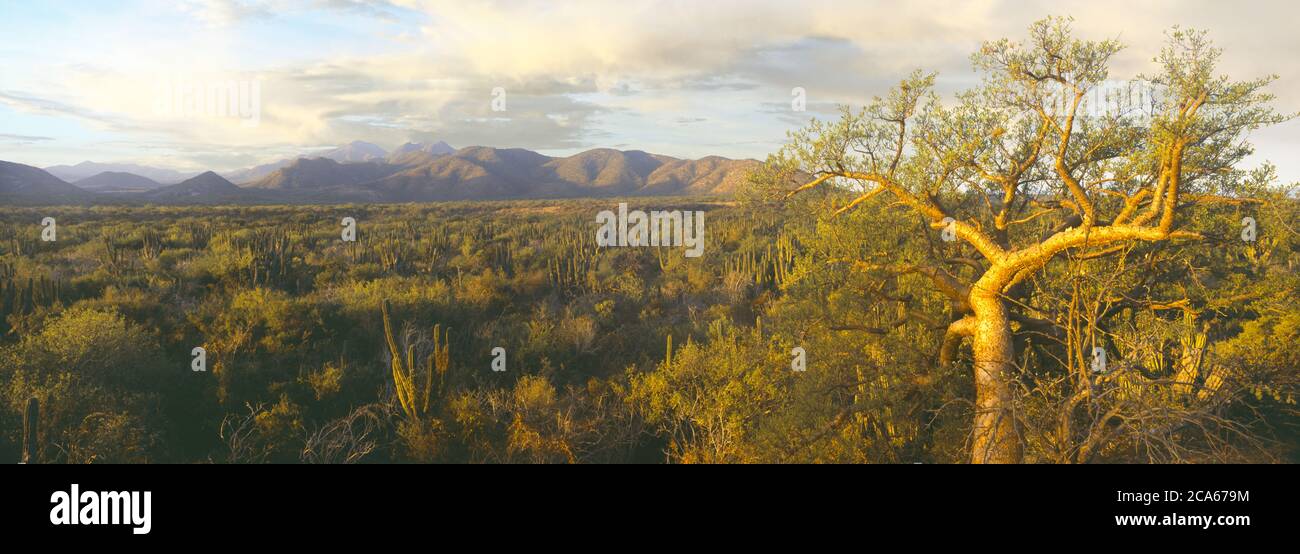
x,y
391,253
271,257
571,270
23,298
429,254
24,243
661,256
31,417
198,235
786,250
501,256
413,397
773,268
113,258
151,245
400,250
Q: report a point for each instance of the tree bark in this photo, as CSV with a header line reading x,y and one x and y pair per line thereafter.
x,y
996,439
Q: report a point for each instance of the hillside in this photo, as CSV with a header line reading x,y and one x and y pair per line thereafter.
x,y
84,170
206,188
117,181
24,184
488,173
321,173
414,172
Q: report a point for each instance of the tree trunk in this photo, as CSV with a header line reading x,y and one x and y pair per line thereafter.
x,y
996,439
31,436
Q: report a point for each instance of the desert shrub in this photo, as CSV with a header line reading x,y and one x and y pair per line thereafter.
x,y
94,374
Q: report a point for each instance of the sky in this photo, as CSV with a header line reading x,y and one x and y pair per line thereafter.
x,y
115,81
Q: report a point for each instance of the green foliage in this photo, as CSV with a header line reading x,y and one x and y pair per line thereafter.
x,y
91,372
635,355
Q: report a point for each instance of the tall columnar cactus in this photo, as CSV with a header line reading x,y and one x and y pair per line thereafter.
x,y
391,253
414,396
398,250
430,253
501,256
23,297
113,257
25,244
198,235
31,453
571,269
773,267
151,245
270,256
786,250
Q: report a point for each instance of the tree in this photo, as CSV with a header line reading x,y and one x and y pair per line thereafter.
x,y
1033,145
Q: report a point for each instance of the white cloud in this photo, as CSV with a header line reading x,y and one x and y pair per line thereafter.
x,y
583,71
220,13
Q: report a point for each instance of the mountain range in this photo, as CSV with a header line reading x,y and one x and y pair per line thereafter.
x,y
364,172
83,170
117,181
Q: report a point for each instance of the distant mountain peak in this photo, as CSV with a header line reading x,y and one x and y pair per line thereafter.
x,y
86,169
322,173
419,151
26,184
482,172
206,187
208,180
356,151
117,181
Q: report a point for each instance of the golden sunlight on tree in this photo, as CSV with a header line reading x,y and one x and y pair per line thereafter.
x,y
1025,175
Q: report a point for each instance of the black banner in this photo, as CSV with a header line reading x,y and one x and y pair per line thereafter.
x,y
321,504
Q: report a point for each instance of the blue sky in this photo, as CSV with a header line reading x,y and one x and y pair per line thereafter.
x,y
80,80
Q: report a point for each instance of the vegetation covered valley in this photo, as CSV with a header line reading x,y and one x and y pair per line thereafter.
x,y
1004,276
611,354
